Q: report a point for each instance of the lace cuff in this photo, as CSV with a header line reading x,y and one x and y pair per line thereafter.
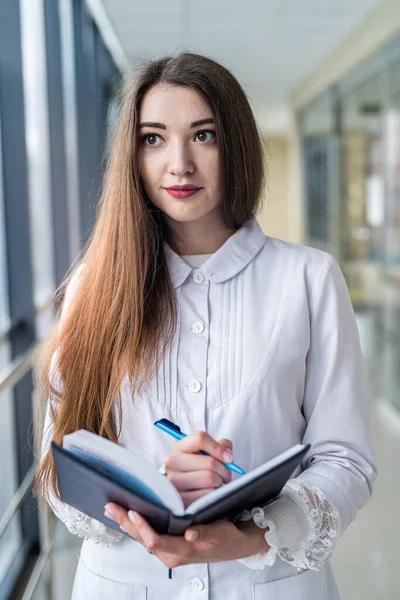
x,y
303,527
77,522
84,526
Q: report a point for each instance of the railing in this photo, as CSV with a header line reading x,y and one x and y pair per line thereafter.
x,y
9,377
16,369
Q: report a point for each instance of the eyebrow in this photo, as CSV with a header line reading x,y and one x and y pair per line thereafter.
x,y
156,125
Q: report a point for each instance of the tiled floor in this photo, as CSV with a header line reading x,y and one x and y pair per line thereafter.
x,y
366,559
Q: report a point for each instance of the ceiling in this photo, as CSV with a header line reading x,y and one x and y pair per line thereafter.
x,y
270,45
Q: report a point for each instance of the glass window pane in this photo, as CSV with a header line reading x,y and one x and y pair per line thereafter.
x,y
37,143
391,303
319,150
4,312
363,187
11,540
318,118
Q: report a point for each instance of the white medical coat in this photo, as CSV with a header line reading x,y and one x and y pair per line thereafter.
x,y
266,354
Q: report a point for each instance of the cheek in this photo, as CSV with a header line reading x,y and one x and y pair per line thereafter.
x,y
149,169
213,168
150,185
208,163
146,181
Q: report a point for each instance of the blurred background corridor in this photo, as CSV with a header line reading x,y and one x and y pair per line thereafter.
x,y
323,78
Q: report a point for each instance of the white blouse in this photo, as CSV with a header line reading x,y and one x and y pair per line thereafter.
x,y
302,526
267,354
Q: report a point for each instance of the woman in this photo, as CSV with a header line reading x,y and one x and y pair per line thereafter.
x,y
183,309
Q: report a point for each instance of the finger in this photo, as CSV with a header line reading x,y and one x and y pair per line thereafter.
x,y
192,495
227,443
196,480
204,533
198,534
185,463
200,440
150,538
162,544
165,547
116,513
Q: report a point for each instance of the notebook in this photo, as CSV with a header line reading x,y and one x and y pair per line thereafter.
x,y
92,471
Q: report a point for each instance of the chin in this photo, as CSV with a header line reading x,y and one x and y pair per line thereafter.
x,y
185,217
186,214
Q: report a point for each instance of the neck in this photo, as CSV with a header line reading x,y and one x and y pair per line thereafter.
x,y
197,237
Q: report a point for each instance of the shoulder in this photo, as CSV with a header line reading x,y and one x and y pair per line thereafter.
x,y
306,274
296,259
300,269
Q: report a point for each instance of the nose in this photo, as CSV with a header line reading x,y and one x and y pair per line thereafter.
x,y
180,159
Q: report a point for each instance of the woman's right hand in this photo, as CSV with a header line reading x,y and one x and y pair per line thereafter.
x,y
193,474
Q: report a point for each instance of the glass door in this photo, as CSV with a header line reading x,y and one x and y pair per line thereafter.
x,y
320,152
363,215
391,299
362,192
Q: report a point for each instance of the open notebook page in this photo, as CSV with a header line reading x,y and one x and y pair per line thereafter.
x,y
83,442
241,481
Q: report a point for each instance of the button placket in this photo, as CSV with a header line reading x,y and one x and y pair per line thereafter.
x,y
198,277
197,584
195,386
198,327
193,347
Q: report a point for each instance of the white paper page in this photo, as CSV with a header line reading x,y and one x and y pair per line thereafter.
x,y
109,451
228,488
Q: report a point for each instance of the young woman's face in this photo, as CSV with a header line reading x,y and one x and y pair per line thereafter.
x,y
179,157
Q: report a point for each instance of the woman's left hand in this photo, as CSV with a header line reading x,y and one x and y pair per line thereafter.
x,y
218,541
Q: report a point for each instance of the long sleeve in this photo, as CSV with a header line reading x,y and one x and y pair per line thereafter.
x,y
304,523
76,522
302,527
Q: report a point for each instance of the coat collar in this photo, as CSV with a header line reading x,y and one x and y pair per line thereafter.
x,y
224,264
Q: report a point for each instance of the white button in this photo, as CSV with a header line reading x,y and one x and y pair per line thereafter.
x,y
195,386
198,327
198,277
197,583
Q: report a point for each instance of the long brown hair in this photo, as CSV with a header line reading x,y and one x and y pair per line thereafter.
x,y
123,315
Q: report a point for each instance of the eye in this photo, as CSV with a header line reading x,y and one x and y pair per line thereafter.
x,y
151,139
205,136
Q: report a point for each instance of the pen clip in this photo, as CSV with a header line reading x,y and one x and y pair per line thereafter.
x,y
169,424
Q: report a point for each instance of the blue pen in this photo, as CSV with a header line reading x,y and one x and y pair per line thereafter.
x,y
176,432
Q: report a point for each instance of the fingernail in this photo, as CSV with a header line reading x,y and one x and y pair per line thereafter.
x,y
192,535
110,514
227,456
132,516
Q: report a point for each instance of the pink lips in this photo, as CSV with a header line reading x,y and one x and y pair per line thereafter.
x,y
182,191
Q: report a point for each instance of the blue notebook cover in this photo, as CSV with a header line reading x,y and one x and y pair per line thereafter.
x,y
119,475
88,486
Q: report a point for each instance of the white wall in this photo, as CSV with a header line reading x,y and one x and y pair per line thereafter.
x,y
282,214
274,216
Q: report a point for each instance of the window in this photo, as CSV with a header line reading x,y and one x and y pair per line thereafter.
x,y
10,541
38,156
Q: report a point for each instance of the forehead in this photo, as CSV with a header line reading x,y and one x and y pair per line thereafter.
x,y
172,104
